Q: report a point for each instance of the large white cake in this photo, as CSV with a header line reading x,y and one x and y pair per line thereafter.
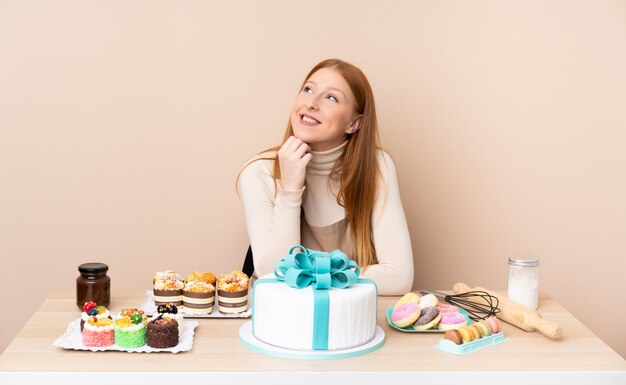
x,y
284,316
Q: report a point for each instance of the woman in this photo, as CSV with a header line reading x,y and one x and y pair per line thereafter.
x,y
330,185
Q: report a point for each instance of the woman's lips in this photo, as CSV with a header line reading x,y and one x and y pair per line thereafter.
x,y
308,120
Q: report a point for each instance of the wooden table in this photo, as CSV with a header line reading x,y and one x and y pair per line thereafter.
x,y
217,355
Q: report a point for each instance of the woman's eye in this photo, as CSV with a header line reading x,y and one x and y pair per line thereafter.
x,y
307,89
332,98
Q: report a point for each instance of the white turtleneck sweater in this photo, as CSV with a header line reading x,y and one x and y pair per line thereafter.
x,y
273,218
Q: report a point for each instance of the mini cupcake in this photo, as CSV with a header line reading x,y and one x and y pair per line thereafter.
x,y
168,291
130,328
199,297
91,309
98,332
232,292
206,277
162,332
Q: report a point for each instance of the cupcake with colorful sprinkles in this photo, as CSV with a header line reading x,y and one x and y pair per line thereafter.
x,y
98,332
130,329
232,292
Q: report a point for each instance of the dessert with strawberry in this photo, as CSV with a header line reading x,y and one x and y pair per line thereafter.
x,y
91,309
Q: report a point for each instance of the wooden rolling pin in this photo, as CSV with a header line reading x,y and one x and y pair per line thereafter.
x,y
516,314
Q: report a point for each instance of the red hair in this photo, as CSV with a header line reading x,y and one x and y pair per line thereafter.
x,y
357,168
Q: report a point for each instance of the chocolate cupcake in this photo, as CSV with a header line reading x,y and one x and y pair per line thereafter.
x,y
168,291
162,332
232,292
199,297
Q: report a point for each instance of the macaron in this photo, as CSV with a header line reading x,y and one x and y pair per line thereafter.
x,y
405,314
452,321
494,324
428,300
466,334
476,333
428,319
408,297
484,328
454,336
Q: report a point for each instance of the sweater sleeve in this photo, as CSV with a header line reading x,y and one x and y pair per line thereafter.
x,y
272,219
394,272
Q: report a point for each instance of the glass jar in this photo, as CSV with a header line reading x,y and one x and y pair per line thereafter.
x,y
93,284
523,282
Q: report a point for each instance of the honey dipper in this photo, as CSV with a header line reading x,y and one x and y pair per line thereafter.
x,y
517,314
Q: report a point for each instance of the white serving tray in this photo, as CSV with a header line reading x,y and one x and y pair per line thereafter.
x,y
73,339
150,308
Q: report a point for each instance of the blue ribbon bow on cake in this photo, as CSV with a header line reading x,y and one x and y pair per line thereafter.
x,y
319,269
322,271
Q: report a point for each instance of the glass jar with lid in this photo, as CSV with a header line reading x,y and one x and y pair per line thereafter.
x,y
523,281
93,284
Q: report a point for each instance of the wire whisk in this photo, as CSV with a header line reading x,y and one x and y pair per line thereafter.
x,y
478,304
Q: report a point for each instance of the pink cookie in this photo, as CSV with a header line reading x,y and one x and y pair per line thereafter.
x,y
405,314
452,320
446,308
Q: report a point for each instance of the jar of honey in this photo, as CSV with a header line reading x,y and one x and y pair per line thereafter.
x,y
93,284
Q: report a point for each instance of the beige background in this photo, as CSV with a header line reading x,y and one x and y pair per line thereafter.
x,y
123,126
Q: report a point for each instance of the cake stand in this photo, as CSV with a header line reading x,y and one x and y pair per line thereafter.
x,y
249,340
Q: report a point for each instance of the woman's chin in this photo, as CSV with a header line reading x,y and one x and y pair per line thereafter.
x,y
303,135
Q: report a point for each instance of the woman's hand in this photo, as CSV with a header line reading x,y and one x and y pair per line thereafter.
x,y
293,156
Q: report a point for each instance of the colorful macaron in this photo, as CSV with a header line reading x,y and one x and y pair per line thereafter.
x,y
494,324
473,332
466,334
454,336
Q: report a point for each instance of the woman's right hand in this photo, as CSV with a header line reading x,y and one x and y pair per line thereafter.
x,y
293,156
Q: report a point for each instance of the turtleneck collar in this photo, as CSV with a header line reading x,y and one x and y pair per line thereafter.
x,y
323,161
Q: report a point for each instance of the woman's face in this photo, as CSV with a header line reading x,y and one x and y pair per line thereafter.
x,y
323,113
